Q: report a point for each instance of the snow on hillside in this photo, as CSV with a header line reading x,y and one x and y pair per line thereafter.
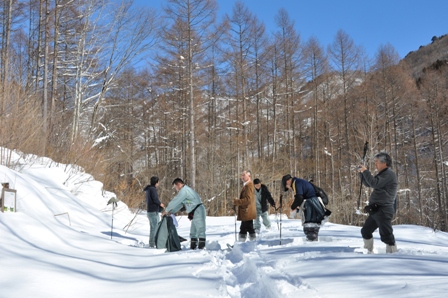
x,y
59,244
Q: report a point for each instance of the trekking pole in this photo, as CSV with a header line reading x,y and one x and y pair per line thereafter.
x,y
281,208
366,147
234,211
277,220
112,226
114,203
128,225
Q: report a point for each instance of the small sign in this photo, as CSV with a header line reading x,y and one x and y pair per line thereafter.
x,y
8,200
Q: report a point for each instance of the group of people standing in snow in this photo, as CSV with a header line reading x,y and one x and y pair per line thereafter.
x,y
186,198
254,198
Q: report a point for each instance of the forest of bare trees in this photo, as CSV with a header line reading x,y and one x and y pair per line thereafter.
x,y
129,92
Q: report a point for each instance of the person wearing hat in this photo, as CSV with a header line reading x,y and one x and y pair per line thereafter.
x,y
306,202
262,197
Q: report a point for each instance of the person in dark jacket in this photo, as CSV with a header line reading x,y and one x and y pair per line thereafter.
x,y
262,197
153,205
306,202
381,202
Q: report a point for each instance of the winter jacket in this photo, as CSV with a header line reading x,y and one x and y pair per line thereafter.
x,y
302,190
186,197
247,209
265,197
152,198
384,184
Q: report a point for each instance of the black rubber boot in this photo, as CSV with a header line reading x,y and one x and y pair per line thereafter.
x,y
311,233
201,244
193,243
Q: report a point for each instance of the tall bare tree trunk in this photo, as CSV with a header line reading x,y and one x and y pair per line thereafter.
x,y
7,20
192,108
46,63
54,75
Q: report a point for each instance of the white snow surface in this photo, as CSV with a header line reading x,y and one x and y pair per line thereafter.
x,y
59,244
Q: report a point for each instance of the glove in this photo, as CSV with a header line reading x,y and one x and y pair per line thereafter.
x,y
293,214
371,208
367,209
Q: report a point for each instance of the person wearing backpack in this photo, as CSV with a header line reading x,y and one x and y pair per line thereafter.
x,y
307,203
153,206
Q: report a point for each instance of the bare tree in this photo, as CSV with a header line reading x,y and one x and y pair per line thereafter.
x,y
241,46
194,18
289,63
433,89
316,68
344,55
131,33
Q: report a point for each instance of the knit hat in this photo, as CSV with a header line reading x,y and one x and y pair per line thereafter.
x,y
284,179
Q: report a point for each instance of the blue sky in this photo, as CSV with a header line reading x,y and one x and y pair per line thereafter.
x,y
405,24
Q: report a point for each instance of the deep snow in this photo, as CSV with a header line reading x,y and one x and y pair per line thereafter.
x,y
58,244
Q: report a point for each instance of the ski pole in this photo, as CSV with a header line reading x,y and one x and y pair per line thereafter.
x,y
112,226
366,147
114,203
281,208
140,208
234,211
276,217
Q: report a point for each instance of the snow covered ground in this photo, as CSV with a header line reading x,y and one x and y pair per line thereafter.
x,y
59,244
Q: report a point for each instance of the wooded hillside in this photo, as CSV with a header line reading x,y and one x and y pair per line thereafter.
x,y
130,93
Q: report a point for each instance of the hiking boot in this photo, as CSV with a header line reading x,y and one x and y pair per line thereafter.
x,y
252,237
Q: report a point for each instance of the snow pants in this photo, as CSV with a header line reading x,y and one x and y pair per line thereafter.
x,y
381,219
154,220
197,229
247,226
265,219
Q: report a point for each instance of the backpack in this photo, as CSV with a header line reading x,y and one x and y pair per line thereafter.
x,y
320,193
313,211
166,235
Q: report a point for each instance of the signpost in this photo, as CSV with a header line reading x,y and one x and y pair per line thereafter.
x,y
8,199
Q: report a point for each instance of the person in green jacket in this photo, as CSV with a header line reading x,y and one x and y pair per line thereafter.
x,y
190,200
